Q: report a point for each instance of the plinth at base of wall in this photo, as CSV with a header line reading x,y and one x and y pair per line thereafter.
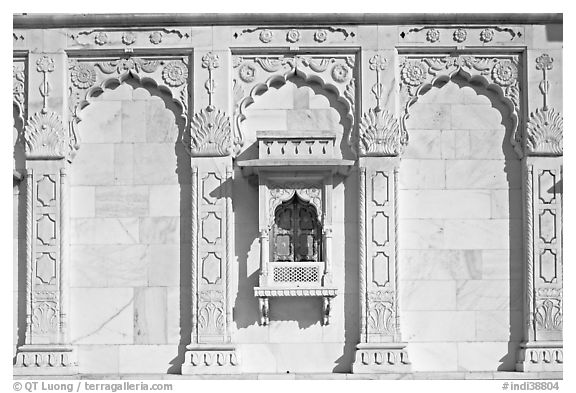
x,y
381,358
210,359
45,359
537,356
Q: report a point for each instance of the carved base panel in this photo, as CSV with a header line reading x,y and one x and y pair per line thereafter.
x,y
541,356
211,360
381,358
45,360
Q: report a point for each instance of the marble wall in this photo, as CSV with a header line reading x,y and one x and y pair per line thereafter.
x,y
460,232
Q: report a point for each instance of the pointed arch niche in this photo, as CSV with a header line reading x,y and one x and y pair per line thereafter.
x,y
130,192
461,196
295,143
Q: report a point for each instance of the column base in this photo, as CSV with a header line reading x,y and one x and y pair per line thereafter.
x,y
45,359
381,358
540,356
210,359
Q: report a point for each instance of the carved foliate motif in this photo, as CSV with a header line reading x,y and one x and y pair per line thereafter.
x,y
380,135
210,133
381,313
18,87
131,65
211,311
548,314
44,317
45,137
545,132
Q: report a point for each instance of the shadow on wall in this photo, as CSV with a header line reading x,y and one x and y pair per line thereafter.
x,y
513,173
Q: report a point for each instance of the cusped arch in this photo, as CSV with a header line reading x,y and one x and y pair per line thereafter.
x,y
94,83
420,75
279,70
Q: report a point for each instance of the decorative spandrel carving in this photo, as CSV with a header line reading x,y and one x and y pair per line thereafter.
x,y
18,87
418,73
211,312
210,134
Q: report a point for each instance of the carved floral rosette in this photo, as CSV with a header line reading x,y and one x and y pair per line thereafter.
x,y
501,73
92,76
98,38
253,74
279,193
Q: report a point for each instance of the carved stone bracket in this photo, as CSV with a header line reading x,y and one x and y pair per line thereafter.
x,y
419,72
254,73
88,77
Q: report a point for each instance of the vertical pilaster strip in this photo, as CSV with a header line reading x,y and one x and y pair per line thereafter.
x,y
362,252
529,249
396,219
63,256
29,255
194,254
229,249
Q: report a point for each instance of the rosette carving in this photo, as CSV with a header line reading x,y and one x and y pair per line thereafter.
x,y
247,72
293,36
266,36
432,35
210,133
340,73
413,73
320,35
83,75
175,73
505,73
380,135
487,35
544,132
460,35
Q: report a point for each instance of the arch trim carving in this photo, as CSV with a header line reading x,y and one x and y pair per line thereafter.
x,y
501,74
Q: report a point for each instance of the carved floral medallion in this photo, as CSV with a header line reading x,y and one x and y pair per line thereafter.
x,y
340,73
487,35
247,72
155,37
293,36
175,73
83,75
128,38
101,38
505,73
413,73
432,35
266,36
320,35
460,35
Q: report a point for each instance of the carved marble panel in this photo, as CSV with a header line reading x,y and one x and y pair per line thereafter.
x,y
381,269
547,222
128,39
380,188
548,266
212,228
211,312
212,268
46,190
211,188
546,186
380,230
46,268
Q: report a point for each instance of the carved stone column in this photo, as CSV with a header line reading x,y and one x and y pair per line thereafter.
x,y
542,349
379,144
48,145
210,350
